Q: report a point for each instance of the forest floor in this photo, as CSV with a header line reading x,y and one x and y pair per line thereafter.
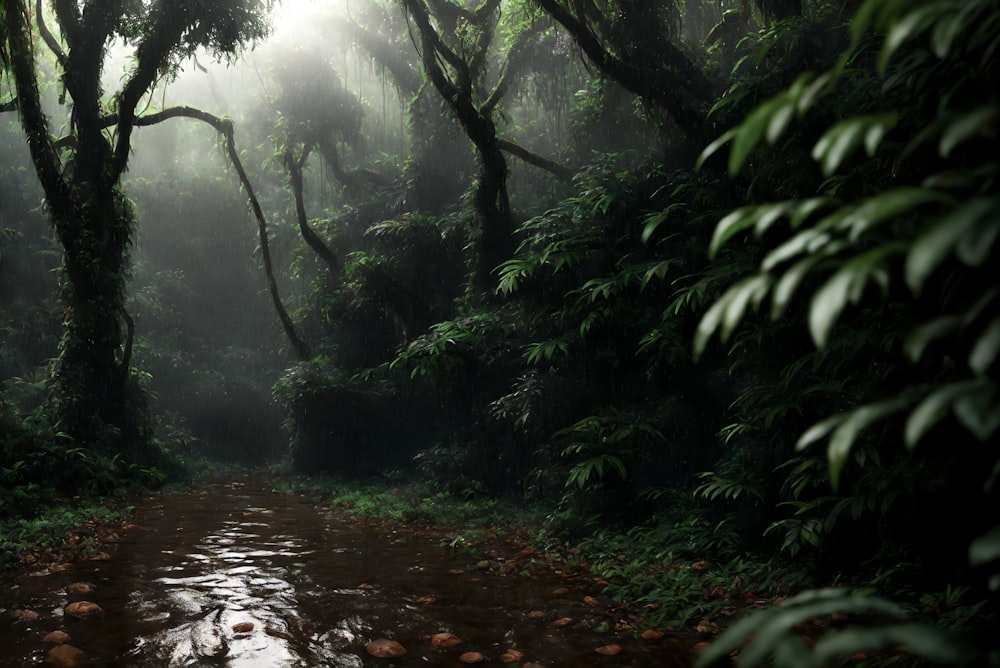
x,y
194,572
426,561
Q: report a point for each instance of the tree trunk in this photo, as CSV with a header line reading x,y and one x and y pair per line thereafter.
x,y
90,390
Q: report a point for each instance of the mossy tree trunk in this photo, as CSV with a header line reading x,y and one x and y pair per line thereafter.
x,y
93,395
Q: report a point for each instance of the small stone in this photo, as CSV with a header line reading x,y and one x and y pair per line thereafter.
x,y
56,637
563,621
536,614
511,656
472,657
561,591
426,600
590,601
65,656
483,564
79,588
445,640
609,650
26,615
383,648
651,634
83,609
243,627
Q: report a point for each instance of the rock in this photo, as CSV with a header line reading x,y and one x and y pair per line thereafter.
x,y
65,656
426,600
536,614
56,637
243,627
26,615
590,601
472,657
383,648
651,634
561,591
79,588
445,640
83,609
511,656
563,621
609,650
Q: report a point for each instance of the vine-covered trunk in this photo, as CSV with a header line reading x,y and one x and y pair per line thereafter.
x,y
90,388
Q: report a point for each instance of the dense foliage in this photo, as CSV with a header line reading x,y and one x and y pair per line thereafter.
x,y
519,279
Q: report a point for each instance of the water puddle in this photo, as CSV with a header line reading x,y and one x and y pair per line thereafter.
x,y
239,576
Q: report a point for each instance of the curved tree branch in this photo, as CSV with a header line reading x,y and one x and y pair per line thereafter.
x,y
29,101
676,85
560,172
294,168
9,105
225,128
47,36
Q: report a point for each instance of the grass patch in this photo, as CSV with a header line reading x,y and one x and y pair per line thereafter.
x,y
61,532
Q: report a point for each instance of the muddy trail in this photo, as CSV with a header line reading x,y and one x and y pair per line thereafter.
x,y
234,574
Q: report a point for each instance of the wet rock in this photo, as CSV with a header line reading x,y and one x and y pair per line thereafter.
x,y
26,615
79,588
563,621
609,650
511,656
590,601
651,634
426,600
65,656
561,591
536,614
83,609
445,640
472,657
56,637
207,641
243,627
384,648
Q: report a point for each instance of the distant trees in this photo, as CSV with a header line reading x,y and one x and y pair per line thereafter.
x,y
93,396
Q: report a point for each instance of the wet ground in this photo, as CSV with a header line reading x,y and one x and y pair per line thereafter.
x,y
203,565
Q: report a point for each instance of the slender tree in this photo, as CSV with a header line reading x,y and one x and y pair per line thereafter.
x,y
93,396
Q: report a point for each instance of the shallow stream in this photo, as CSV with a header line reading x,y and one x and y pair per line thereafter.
x,y
204,564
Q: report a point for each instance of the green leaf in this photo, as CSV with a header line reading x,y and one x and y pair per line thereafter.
x,y
846,284
780,118
965,127
713,147
984,350
985,548
749,134
921,640
906,28
847,432
728,310
877,209
933,408
979,411
934,245
819,430
921,337
785,288
750,291
734,222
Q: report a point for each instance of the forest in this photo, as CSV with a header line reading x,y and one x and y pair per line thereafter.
x,y
697,293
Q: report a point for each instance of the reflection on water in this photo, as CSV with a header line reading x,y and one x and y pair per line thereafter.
x,y
248,578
